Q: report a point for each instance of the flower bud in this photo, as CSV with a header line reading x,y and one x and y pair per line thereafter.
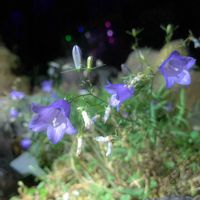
x,y
109,149
88,122
107,114
76,54
89,63
79,146
102,139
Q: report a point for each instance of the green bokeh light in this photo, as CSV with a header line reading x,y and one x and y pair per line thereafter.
x,y
68,38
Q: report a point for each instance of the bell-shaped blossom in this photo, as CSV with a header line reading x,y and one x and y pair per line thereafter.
x,y
76,54
119,94
17,95
25,143
14,113
47,86
175,69
54,119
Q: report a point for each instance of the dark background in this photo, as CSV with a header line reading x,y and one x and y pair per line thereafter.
x,y
35,29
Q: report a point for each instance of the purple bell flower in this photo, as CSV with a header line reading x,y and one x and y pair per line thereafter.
x,y
175,69
54,119
14,113
25,143
47,86
120,93
17,95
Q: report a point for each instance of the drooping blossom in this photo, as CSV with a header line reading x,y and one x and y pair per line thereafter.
x,y
17,95
106,140
106,114
54,119
79,146
25,143
175,69
47,86
119,94
102,139
76,54
88,121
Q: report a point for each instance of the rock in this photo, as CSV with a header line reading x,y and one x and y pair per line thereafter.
x,y
8,80
142,58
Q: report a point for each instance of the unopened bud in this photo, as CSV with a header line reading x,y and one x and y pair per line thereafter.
x,y
102,139
79,146
107,114
89,63
109,149
76,54
88,122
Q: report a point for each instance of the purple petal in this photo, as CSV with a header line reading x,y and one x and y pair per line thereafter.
x,y
190,62
114,101
37,124
184,79
62,104
70,129
14,113
125,93
25,143
55,134
170,81
17,95
110,88
47,85
37,108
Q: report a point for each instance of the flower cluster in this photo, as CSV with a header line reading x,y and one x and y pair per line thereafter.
x,y
54,119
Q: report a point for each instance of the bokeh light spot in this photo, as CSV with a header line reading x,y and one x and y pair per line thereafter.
x,y
109,33
107,24
68,38
80,29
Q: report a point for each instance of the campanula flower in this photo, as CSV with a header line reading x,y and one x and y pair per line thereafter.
x,y
14,113
47,86
119,94
175,69
17,95
76,54
54,119
25,143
